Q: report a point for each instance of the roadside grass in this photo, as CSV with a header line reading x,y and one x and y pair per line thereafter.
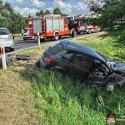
x,y
18,37
42,97
67,102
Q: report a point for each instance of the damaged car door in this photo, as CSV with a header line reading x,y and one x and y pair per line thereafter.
x,y
81,66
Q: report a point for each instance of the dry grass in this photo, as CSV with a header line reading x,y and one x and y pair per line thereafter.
x,y
16,94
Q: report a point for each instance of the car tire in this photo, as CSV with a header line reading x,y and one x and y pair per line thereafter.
x,y
110,87
56,37
11,49
42,40
73,33
24,39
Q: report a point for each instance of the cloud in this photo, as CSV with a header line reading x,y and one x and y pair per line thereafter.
x,y
26,11
81,6
49,8
37,3
20,1
66,7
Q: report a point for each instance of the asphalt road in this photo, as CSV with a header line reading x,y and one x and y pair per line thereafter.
x,y
23,44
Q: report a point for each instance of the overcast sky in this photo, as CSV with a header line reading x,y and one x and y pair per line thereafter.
x,y
70,7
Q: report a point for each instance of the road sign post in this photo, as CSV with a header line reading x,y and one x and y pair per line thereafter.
x,y
38,38
3,57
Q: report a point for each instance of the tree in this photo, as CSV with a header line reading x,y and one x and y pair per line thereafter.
x,y
64,14
47,12
11,19
37,14
57,11
112,13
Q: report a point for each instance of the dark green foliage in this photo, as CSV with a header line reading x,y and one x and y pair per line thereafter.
x,y
42,13
57,11
112,13
11,19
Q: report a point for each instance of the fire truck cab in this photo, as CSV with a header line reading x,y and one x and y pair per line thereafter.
x,y
79,25
51,26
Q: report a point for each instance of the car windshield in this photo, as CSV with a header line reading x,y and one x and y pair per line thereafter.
x,y
4,32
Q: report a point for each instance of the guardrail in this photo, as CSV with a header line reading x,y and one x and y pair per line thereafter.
x,y
38,39
4,65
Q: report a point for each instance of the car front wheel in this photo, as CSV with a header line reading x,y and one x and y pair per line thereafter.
x,y
110,87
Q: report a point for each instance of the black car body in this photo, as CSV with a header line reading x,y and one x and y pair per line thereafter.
x,y
84,63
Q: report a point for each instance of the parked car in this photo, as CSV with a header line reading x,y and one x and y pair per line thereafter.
x,y
84,63
28,34
6,37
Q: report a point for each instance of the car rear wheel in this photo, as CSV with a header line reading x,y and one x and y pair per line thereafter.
x,y
73,33
110,87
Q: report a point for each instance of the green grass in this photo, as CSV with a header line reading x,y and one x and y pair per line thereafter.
x,y
63,101
30,95
18,37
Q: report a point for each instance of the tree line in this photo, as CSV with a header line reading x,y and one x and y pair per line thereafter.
x,y
55,11
112,13
14,21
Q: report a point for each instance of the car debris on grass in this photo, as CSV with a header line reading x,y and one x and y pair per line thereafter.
x,y
13,57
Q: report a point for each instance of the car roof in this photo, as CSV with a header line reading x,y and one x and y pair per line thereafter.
x,y
82,49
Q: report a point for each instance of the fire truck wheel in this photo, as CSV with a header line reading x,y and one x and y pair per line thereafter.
x,y
59,37
56,36
72,33
78,33
42,40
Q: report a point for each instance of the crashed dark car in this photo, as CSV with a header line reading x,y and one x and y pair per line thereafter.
x,y
84,63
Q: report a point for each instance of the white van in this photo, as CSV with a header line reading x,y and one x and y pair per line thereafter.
x,y
28,34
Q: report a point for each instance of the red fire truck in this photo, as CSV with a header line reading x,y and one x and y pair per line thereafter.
x,y
81,26
51,26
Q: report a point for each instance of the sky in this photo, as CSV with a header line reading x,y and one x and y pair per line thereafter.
x,y
70,7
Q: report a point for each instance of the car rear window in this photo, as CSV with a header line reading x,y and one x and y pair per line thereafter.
x,y
4,32
56,48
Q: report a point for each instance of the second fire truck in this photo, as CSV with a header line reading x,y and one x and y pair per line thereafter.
x,y
81,26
